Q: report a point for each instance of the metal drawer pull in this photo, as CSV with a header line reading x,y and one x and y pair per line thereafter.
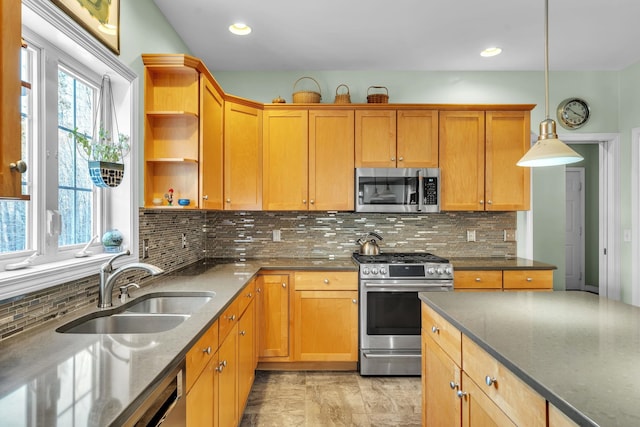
x,y
461,394
490,380
435,329
284,285
326,281
477,279
207,350
232,318
355,301
243,333
529,279
454,385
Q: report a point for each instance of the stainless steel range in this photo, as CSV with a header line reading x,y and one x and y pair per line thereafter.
x,y
390,308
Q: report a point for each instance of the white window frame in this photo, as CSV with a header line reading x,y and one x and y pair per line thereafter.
x,y
47,25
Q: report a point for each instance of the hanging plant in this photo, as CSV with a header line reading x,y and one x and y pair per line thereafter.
x,y
104,154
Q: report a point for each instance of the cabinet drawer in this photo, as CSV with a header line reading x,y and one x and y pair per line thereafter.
x,y
519,401
229,318
200,354
477,279
448,337
326,280
528,279
246,296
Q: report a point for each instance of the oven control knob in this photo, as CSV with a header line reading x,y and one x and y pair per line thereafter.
x,y
448,271
431,270
439,271
365,270
374,271
383,270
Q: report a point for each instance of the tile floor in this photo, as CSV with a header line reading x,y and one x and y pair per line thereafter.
x,y
315,399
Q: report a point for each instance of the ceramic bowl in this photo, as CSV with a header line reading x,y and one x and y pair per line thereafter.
x,y
157,201
184,202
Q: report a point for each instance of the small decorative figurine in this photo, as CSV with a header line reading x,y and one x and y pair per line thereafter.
x,y
169,196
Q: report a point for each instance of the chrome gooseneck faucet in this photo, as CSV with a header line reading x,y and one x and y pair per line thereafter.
x,y
108,277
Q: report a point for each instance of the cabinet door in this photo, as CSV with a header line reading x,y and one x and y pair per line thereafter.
x,y
375,139
246,355
211,141
462,160
480,411
285,179
273,316
242,157
417,140
227,380
441,407
326,326
201,399
558,418
11,146
507,139
331,144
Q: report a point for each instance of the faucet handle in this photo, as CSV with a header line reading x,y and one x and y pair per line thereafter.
x,y
124,291
108,267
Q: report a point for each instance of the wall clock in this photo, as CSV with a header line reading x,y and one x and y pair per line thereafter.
x,y
573,113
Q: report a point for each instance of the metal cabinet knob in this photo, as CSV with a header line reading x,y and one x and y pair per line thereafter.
x,y
284,285
490,380
478,279
326,281
393,159
304,201
205,197
232,318
249,295
454,385
243,333
207,350
355,301
400,158
529,279
311,201
435,329
489,202
19,166
481,202
461,394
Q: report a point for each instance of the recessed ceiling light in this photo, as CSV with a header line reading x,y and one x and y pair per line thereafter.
x,y
240,29
491,51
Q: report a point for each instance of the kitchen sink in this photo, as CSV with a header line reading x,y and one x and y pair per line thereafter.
x,y
124,323
151,313
174,303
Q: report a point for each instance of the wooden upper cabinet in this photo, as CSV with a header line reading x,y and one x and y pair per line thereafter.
x,y
331,163
242,157
478,155
10,129
507,139
462,143
375,139
417,139
285,135
212,138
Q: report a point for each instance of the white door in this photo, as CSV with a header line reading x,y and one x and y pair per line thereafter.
x,y
574,241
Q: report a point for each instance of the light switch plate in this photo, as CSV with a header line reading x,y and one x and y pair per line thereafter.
x,y
510,235
471,235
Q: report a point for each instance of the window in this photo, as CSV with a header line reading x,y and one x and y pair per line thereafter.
x,y
64,65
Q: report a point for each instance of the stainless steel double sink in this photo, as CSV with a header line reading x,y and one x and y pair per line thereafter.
x,y
151,313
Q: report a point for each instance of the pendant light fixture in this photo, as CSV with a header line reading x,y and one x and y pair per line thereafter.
x,y
548,149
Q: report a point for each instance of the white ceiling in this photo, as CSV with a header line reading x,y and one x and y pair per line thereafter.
x,y
408,34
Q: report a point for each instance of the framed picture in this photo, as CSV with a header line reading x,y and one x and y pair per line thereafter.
x,y
100,17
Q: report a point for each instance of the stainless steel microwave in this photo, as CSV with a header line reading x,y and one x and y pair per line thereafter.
x,y
397,190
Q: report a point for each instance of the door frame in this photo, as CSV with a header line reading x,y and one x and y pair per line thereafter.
x,y
609,209
635,218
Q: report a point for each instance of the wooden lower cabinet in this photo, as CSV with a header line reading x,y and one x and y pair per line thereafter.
x,y
246,355
503,280
558,419
441,407
273,314
202,398
228,412
326,326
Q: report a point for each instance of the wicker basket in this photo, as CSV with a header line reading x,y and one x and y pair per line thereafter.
x,y
342,98
377,98
306,96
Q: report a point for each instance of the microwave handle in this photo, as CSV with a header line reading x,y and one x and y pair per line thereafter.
x,y
420,191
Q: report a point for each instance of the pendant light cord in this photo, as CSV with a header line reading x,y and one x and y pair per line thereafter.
x,y
546,58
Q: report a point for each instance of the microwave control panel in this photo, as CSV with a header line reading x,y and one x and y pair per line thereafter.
x,y
431,190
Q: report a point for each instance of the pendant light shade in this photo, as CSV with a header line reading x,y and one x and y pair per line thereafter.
x,y
548,150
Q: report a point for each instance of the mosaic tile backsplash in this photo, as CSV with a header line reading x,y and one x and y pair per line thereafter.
x,y
212,234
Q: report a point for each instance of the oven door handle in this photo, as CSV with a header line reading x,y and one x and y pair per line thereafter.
x,y
399,287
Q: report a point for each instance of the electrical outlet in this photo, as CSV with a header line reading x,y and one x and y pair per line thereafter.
x,y
471,235
184,240
145,248
510,235
276,236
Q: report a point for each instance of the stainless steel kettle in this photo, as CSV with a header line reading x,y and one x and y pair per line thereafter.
x,y
369,246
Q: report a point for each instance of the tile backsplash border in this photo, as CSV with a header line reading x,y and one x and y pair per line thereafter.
x,y
221,234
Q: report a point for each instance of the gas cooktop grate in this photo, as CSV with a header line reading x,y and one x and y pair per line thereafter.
x,y
399,258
